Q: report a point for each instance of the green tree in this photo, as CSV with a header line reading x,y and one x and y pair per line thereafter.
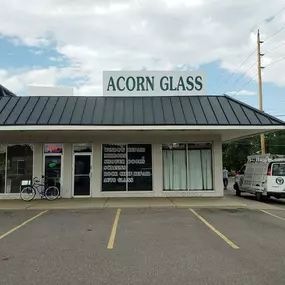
x,y
235,153
275,142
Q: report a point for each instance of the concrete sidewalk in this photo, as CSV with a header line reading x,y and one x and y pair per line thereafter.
x,y
99,203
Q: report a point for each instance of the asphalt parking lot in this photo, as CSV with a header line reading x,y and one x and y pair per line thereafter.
x,y
142,246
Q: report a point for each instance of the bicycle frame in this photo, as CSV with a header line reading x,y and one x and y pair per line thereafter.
x,y
39,187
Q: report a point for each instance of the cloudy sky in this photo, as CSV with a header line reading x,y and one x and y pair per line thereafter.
x,y
70,42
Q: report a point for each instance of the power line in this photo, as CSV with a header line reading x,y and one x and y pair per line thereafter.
x,y
254,27
227,80
246,84
246,72
273,17
274,34
268,143
276,47
274,109
270,17
244,46
280,59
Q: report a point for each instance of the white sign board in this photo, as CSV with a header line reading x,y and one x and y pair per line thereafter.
x,y
34,90
152,83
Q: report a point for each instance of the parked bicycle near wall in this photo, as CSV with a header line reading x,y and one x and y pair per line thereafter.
x,y
45,191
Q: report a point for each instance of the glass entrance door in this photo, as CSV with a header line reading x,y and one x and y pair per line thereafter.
x,y
82,174
53,170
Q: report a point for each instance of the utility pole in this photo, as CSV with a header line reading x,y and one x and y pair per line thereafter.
x,y
259,67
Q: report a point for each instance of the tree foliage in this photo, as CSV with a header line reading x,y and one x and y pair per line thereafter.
x,y
235,153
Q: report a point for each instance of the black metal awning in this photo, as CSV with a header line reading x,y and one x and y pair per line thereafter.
x,y
131,111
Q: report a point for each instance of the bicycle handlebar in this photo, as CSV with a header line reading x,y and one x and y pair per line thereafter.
x,y
38,178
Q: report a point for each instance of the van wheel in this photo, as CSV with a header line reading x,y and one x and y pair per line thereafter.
x,y
259,196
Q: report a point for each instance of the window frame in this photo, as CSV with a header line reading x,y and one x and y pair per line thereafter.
x,y
186,144
74,151
272,169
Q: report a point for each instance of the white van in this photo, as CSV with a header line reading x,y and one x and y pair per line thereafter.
x,y
263,176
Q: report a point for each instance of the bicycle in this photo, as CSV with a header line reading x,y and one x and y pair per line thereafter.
x,y
49,192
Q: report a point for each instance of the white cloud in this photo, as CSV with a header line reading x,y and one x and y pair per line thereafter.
x,y
18,80
242,92
160,35
56,59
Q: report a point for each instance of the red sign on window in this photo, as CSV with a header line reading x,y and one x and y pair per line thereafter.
x,y
53,148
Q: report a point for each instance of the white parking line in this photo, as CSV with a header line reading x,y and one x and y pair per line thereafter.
x,y
275,216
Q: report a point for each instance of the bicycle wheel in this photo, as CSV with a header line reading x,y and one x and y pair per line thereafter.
x,y
28,193
51,193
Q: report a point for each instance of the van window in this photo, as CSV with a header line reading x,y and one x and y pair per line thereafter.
x,y
278,169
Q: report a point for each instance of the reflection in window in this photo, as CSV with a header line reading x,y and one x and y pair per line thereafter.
x,y
82,147
191,170
114,167
139,167
19,166
278,169
126,167
53,170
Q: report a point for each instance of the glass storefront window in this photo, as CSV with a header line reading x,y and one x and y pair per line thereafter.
x,y
114,167
126,167
187,166
19,166
139,167
174,166
82,147
2,168
199,167
52,164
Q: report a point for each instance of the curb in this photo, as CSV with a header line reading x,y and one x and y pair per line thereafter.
x,y
128,207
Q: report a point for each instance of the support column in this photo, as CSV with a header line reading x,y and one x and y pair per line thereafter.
x,y
38,160
67,171
218,167
157,169
96,171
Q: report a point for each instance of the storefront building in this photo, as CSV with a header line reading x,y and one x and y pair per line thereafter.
x,y
122,146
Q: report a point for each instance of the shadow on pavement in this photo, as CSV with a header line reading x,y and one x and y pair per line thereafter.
x,y
272,201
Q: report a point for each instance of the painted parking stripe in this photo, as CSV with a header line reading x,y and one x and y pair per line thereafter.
x,y
114,230
23,224
230,243
275,216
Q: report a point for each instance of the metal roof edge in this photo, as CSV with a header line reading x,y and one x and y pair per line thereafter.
x,y
116,96
254,109
6,92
